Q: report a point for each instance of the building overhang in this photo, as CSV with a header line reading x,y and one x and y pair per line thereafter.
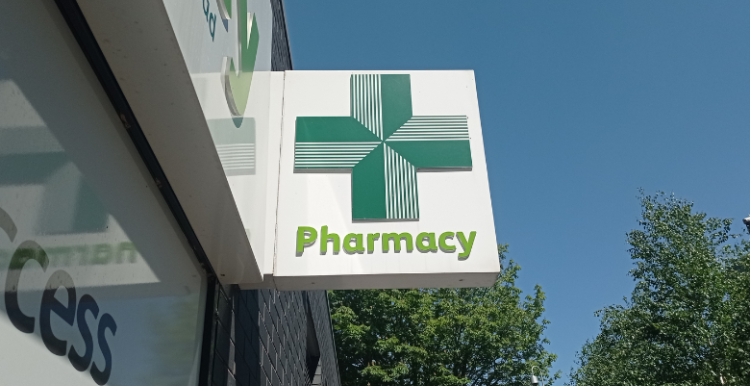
x,y
139,43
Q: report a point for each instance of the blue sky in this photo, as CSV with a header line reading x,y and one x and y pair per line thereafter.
x,y
582,104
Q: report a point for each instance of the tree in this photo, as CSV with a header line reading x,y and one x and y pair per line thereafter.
x,y
441,337
687,320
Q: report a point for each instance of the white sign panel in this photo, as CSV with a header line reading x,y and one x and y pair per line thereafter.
x,y
227,48
383,182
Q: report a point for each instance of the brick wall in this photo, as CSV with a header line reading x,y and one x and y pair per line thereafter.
x,y
281,54
268,337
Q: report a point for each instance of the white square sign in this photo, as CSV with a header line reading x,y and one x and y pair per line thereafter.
x,y
383,182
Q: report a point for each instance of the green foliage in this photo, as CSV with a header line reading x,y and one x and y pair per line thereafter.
x,y
687,321
441,337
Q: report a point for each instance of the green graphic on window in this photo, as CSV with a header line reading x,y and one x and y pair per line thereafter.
x,y
384,145
238,74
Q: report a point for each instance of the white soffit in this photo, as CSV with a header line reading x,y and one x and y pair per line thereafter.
x,y
140,46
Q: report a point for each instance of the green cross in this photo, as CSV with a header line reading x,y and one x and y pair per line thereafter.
x,y
384,145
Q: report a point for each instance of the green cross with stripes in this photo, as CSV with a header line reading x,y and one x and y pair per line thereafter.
x,y
384,145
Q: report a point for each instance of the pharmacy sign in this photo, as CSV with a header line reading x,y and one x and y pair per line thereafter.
x,y
382,183
384,145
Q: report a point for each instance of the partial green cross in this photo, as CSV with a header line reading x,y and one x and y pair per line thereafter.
x,y
384,145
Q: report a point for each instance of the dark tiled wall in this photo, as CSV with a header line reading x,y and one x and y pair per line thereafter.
x,y
321,315
262,337
281,55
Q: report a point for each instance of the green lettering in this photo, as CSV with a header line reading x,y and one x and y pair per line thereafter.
x,y
126,248
83,259
325,237
466,245
371,237
432,246
102,254
306,236
58,254
443,245
397,237
4,257
358,239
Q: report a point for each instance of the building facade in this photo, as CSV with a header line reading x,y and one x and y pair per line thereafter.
x,y
106,272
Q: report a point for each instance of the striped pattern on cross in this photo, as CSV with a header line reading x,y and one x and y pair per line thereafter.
x,y
433,128
401,199
384,145
237,157
366,104
331,155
